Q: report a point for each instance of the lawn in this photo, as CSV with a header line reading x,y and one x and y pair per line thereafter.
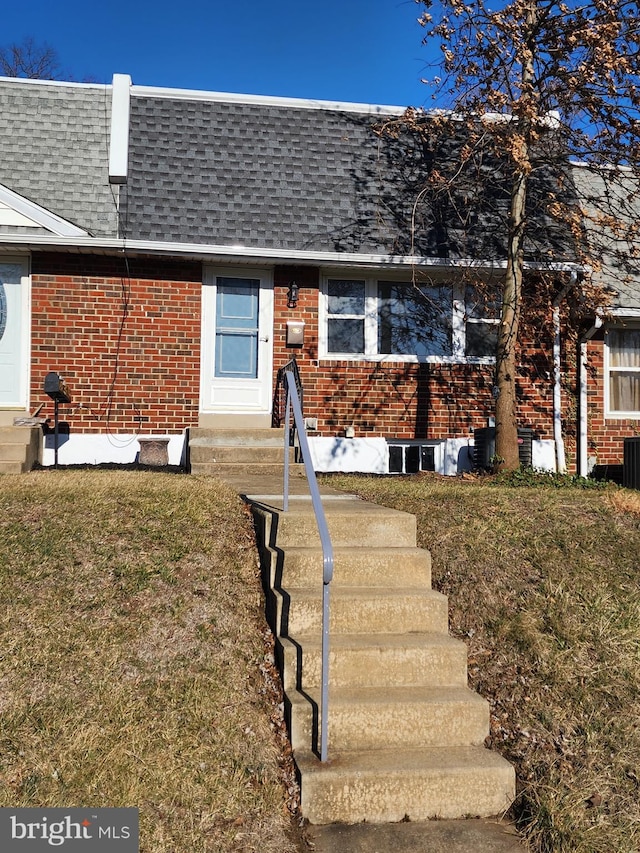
x,y
544,587
135,662
136,666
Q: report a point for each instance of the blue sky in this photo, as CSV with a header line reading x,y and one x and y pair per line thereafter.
x,y
347,50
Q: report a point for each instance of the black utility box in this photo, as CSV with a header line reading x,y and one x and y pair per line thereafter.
x,y
484,447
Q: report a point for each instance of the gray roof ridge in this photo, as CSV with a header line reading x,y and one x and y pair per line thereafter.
x,y
585,164
30,81
222,97
264,100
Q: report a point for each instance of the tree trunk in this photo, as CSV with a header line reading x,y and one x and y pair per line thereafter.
x,y
507,452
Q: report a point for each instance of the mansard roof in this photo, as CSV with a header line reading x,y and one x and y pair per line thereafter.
x,y
611,202
55,139
245,176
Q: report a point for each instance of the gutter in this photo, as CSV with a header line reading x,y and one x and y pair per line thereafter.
x,y
561,461
583,444
249,254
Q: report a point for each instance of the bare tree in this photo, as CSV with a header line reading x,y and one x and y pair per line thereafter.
x,y
523,89
30,59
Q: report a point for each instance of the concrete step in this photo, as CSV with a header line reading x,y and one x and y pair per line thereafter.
x,y
377,568
19,448
393,785
246,454
243,470
13,452
15,434
199,436
374,660
11,468
351,523
357,610
401,717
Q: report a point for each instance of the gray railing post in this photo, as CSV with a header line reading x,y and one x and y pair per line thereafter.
x,y
293,402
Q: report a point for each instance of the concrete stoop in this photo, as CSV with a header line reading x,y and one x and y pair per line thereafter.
x,y
230,453
19,448
405,733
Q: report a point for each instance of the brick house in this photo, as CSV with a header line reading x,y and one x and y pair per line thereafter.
x,y
167,251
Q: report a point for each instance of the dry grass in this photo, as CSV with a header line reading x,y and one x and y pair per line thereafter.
x,y
543,585
132,663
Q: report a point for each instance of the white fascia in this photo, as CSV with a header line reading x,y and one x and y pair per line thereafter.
x,y
624,313
40,216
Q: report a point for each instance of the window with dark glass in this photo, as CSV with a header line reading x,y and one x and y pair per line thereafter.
x,y
376,318
345,315
414,320
482,315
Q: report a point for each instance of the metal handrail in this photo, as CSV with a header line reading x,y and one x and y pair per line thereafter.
x,y
279,398
293,401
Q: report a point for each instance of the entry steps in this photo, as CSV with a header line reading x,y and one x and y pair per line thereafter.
x,y
19,448
406,734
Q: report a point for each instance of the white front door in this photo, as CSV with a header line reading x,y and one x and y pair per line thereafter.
x,y
14,334
237,331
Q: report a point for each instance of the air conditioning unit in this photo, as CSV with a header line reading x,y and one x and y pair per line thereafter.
x,y
631,465
484,443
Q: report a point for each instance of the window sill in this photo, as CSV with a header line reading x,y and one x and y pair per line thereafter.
x,y
622,416
408,359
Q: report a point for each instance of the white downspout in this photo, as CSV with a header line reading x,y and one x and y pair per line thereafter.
x,y
583,438
561,462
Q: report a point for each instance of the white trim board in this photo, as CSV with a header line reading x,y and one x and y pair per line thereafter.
x,y
119,137
39,216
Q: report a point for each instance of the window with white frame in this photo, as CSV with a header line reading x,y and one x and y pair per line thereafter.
x,y
623,371
377,318
481,324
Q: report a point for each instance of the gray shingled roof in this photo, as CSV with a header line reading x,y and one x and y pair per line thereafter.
x,y
55,150
264,175
608,193
275,176
255,175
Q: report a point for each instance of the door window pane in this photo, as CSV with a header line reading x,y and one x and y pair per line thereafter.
x,y
237,316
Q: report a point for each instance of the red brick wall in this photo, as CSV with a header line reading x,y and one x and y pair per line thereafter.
x,y
146,363
606,435
400,399
120,364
